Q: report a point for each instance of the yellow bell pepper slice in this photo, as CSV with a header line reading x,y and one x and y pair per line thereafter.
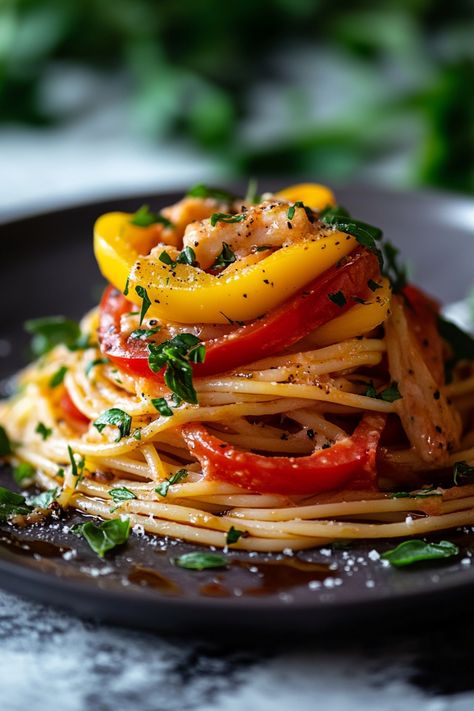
x,y
360,319
311,194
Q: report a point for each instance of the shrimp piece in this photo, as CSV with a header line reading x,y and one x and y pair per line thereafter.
x,y
432,425
184,212
261,225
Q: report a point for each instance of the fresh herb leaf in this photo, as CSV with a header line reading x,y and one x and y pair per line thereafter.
x,y
96,361
365,234
116,417
415,551
12,504
43,500
77,469
176,355
338,298
233,535
5,444
120,494
105,536
225,258
252,195
144,333
390,394
127,284
186,256
163,487
373,285
204,191
146,303
160,404
463,471
291,211
201,561
137,434
43,431
144,217
23,474
424,493
397,273
58,377
50,331
225,217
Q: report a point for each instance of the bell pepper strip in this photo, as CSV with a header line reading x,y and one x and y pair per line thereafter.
x,y
186,294
360,319
315,196
282,327
349,463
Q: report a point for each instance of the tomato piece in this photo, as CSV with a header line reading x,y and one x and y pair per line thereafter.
x,y
70,410
423,317
277,330
348,463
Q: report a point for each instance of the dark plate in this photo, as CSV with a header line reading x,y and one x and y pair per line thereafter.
x,y
48,268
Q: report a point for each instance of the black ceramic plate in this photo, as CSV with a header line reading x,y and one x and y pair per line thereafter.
x,y
47,267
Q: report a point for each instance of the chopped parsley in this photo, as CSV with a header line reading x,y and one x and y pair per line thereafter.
x,y
43,431
292,209
205,191
338,298
5,444
423,493
105,536
163,487
24,474
146,303
463,473
416,550
58,377
366,235
186,256
12,504
117,418
144,333
50,331
200,560
226,217
225,258
233,535
390,394
144,217
176,355
119,495
160,404
76,468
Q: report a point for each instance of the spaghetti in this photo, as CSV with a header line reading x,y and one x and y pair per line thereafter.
x,y
218,391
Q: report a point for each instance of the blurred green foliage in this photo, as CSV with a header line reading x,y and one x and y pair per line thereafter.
x,y
399,75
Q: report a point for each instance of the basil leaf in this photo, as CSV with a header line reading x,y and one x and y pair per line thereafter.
x,y
365,234
225,258
204,191
201,561
338,298
163,486
121,493
43,431
424,493
160,404
12,504
390,394
146,303
50,331
23,474
144,217
415,551
176,355
225,217
77,469
233,535
186,256
116,417
96,361
463,471
104,536
43,500
58,377
5,444
144,333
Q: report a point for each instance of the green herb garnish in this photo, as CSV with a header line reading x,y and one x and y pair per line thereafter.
x,y
96,361
424,493
117,418
186,256
76,468
204,191
463,470
176,355
146,303
58,377
390,394
163,487
225,217
50,331
105,536
144,333
225,258
12,504
23,474
5,444
338,298
233,535
416,551
120,494
43,431
252,195
160,404
365,234
201,561
144,217
43,500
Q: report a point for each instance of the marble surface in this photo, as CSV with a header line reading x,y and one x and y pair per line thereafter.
x,y
51,660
